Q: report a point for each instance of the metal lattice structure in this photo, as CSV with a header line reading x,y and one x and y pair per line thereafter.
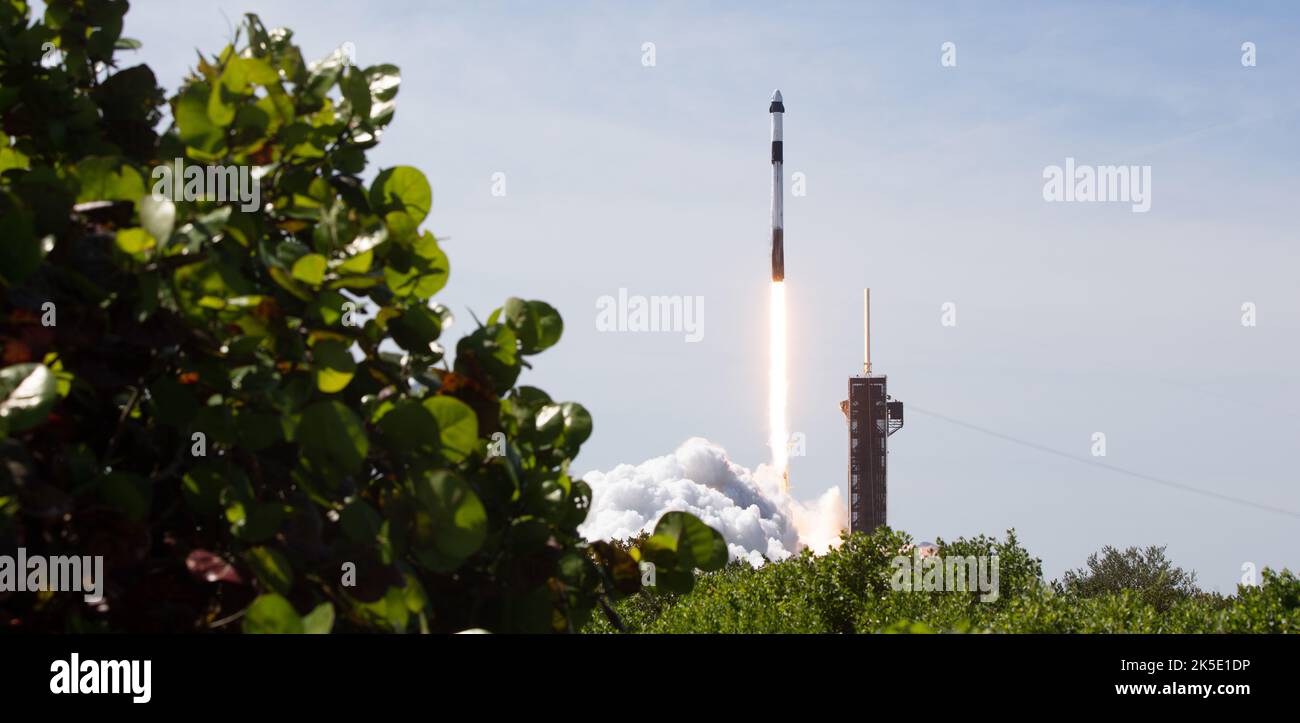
x,y
868,417
872,417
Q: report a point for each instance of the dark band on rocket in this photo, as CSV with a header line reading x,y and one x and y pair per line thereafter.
x,y
776,152
778,254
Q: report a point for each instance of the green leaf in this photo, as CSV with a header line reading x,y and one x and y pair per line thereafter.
x,y
213,278
577,425
389,611
201,487
12,158
27,394
692,543
47,198
360,522
403,196
349,159
204,139
286,282
537,323
272,614
452,519
564,426
415,281
272,568
416,329
490,353
332,433
329,307
131,494
676,581
420,269
356,89
134,240
416,598
546,498
20,251
320,621
258,431
254,521
358,264
128,102
322,75
236,78
408,428
332,365
107,179
384,82
549,423
310,269
457,426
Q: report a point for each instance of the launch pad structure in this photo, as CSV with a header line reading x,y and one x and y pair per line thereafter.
x,y
872,417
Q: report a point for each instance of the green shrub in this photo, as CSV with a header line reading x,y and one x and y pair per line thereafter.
x,y
1147,572
244,405
849,590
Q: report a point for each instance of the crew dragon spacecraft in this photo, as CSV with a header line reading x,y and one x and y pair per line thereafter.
x,y
777,110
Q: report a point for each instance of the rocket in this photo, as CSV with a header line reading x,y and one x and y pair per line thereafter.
x,y
777,110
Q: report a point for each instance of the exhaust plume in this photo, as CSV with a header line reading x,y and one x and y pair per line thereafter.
x,y
751,508
778,434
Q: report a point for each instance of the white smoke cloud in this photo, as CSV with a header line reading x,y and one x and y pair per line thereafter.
x,y
747,507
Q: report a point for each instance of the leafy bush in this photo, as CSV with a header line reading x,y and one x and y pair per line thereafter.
x,y
849,590
243,404
1147,572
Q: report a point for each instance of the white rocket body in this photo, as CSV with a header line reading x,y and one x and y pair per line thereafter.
x,y
777,110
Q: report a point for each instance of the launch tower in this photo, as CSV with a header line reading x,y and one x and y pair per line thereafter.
x,y
872,417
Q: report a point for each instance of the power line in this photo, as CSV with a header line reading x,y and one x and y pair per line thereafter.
x,y
1103,465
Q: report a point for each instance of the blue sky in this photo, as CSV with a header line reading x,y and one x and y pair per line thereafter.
x,y
923,182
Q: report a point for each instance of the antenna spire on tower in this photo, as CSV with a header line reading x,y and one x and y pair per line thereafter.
x,y
866,331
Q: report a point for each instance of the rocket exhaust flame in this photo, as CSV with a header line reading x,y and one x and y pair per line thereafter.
x,y
778,433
